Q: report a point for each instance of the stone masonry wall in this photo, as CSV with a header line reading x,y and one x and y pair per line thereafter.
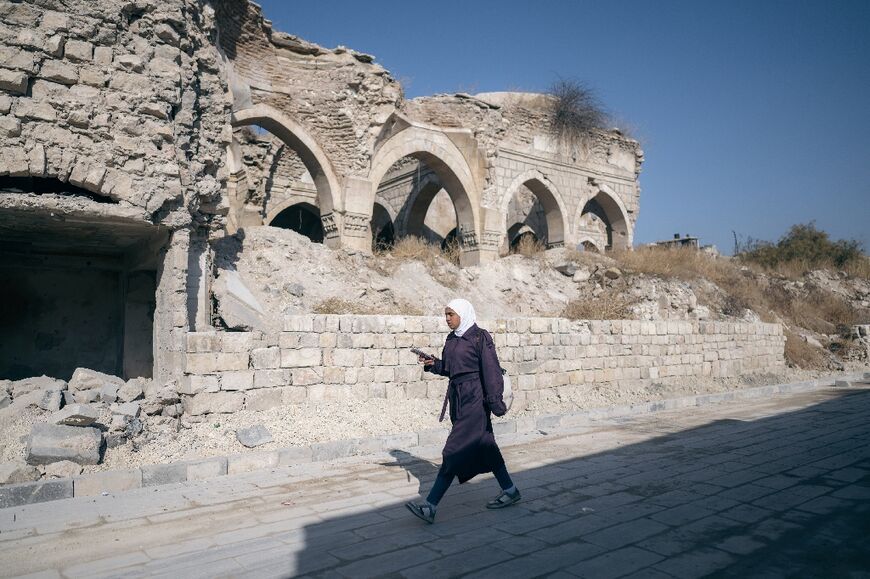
x,y
123,99
331,357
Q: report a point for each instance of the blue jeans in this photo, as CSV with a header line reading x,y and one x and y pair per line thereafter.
x,y
442,483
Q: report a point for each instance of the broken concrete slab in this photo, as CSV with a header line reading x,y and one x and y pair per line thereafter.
x,y
237,305
75,415
51,400
129,409
17,471
35,492
41,383
62,469
51,443
86,379
86,396
254,436
116,439
130,391
109,393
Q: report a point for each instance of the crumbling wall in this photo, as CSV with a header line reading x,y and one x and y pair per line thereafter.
x,y
340,96
123,99
122,108
329,357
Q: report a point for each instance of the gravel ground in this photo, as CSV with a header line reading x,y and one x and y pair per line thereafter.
x,y
167,440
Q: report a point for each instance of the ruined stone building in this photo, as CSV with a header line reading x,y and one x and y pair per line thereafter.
x,y
134,133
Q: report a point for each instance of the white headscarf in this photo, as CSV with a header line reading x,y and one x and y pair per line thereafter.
x,y
467,317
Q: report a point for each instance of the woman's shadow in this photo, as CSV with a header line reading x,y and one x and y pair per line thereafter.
x,y
414,466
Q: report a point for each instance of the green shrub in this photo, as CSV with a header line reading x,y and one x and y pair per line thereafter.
x,y
805,247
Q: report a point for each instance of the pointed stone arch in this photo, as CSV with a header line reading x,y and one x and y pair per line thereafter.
x,y
432,146
620,230
297,138
546,192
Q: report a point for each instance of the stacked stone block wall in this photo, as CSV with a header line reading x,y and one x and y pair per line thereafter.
x,y
331,357
115,98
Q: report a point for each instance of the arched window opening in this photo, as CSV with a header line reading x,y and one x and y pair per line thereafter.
x,y
383,232
595,223
417,196
303,218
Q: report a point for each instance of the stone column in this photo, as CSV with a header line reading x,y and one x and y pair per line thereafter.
x,y
170,312
359,202
477,248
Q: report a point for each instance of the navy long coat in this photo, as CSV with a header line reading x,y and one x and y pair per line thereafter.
x,y
471,448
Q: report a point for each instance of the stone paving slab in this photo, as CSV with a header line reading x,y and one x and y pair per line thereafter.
x,y
745,488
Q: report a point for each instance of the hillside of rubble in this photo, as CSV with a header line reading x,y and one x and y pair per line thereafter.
x,y
825,312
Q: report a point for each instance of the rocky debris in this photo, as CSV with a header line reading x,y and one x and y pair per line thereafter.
x,y
156,401
612,273
134,428
115,439
581,275
237,306
86,379
567,269
39,383
131,391
51,442
17,472
75,415
295,289
51,400
86,396
109,393
254,436
5,400
127,410
62,469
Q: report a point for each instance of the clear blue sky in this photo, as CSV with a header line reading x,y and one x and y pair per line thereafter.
x,y
753,115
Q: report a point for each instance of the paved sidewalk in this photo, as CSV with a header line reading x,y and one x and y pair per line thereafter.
x,y
765,488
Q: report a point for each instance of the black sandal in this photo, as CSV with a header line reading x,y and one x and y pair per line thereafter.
x,y
423,511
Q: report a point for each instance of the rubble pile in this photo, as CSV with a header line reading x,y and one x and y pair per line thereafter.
x,y
80,419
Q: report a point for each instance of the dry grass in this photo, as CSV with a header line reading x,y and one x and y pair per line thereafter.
x,y
859,268
799,353
417,249
451,252
681,263
796,270
818,311
607,306
528,246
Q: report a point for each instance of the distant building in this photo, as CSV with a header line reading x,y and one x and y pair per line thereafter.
x,y
677,241
687,241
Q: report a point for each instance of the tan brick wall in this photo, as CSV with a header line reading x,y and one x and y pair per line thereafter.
x,y
329,357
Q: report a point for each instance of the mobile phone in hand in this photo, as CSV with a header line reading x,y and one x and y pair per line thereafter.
x,y
422,354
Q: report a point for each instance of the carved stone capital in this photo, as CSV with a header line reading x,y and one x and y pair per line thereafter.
x,y
491,240
356,224
330,226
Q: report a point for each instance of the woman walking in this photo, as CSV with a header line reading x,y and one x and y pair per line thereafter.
x,y
474,393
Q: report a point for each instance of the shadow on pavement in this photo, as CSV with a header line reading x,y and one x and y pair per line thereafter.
x,y
782,496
